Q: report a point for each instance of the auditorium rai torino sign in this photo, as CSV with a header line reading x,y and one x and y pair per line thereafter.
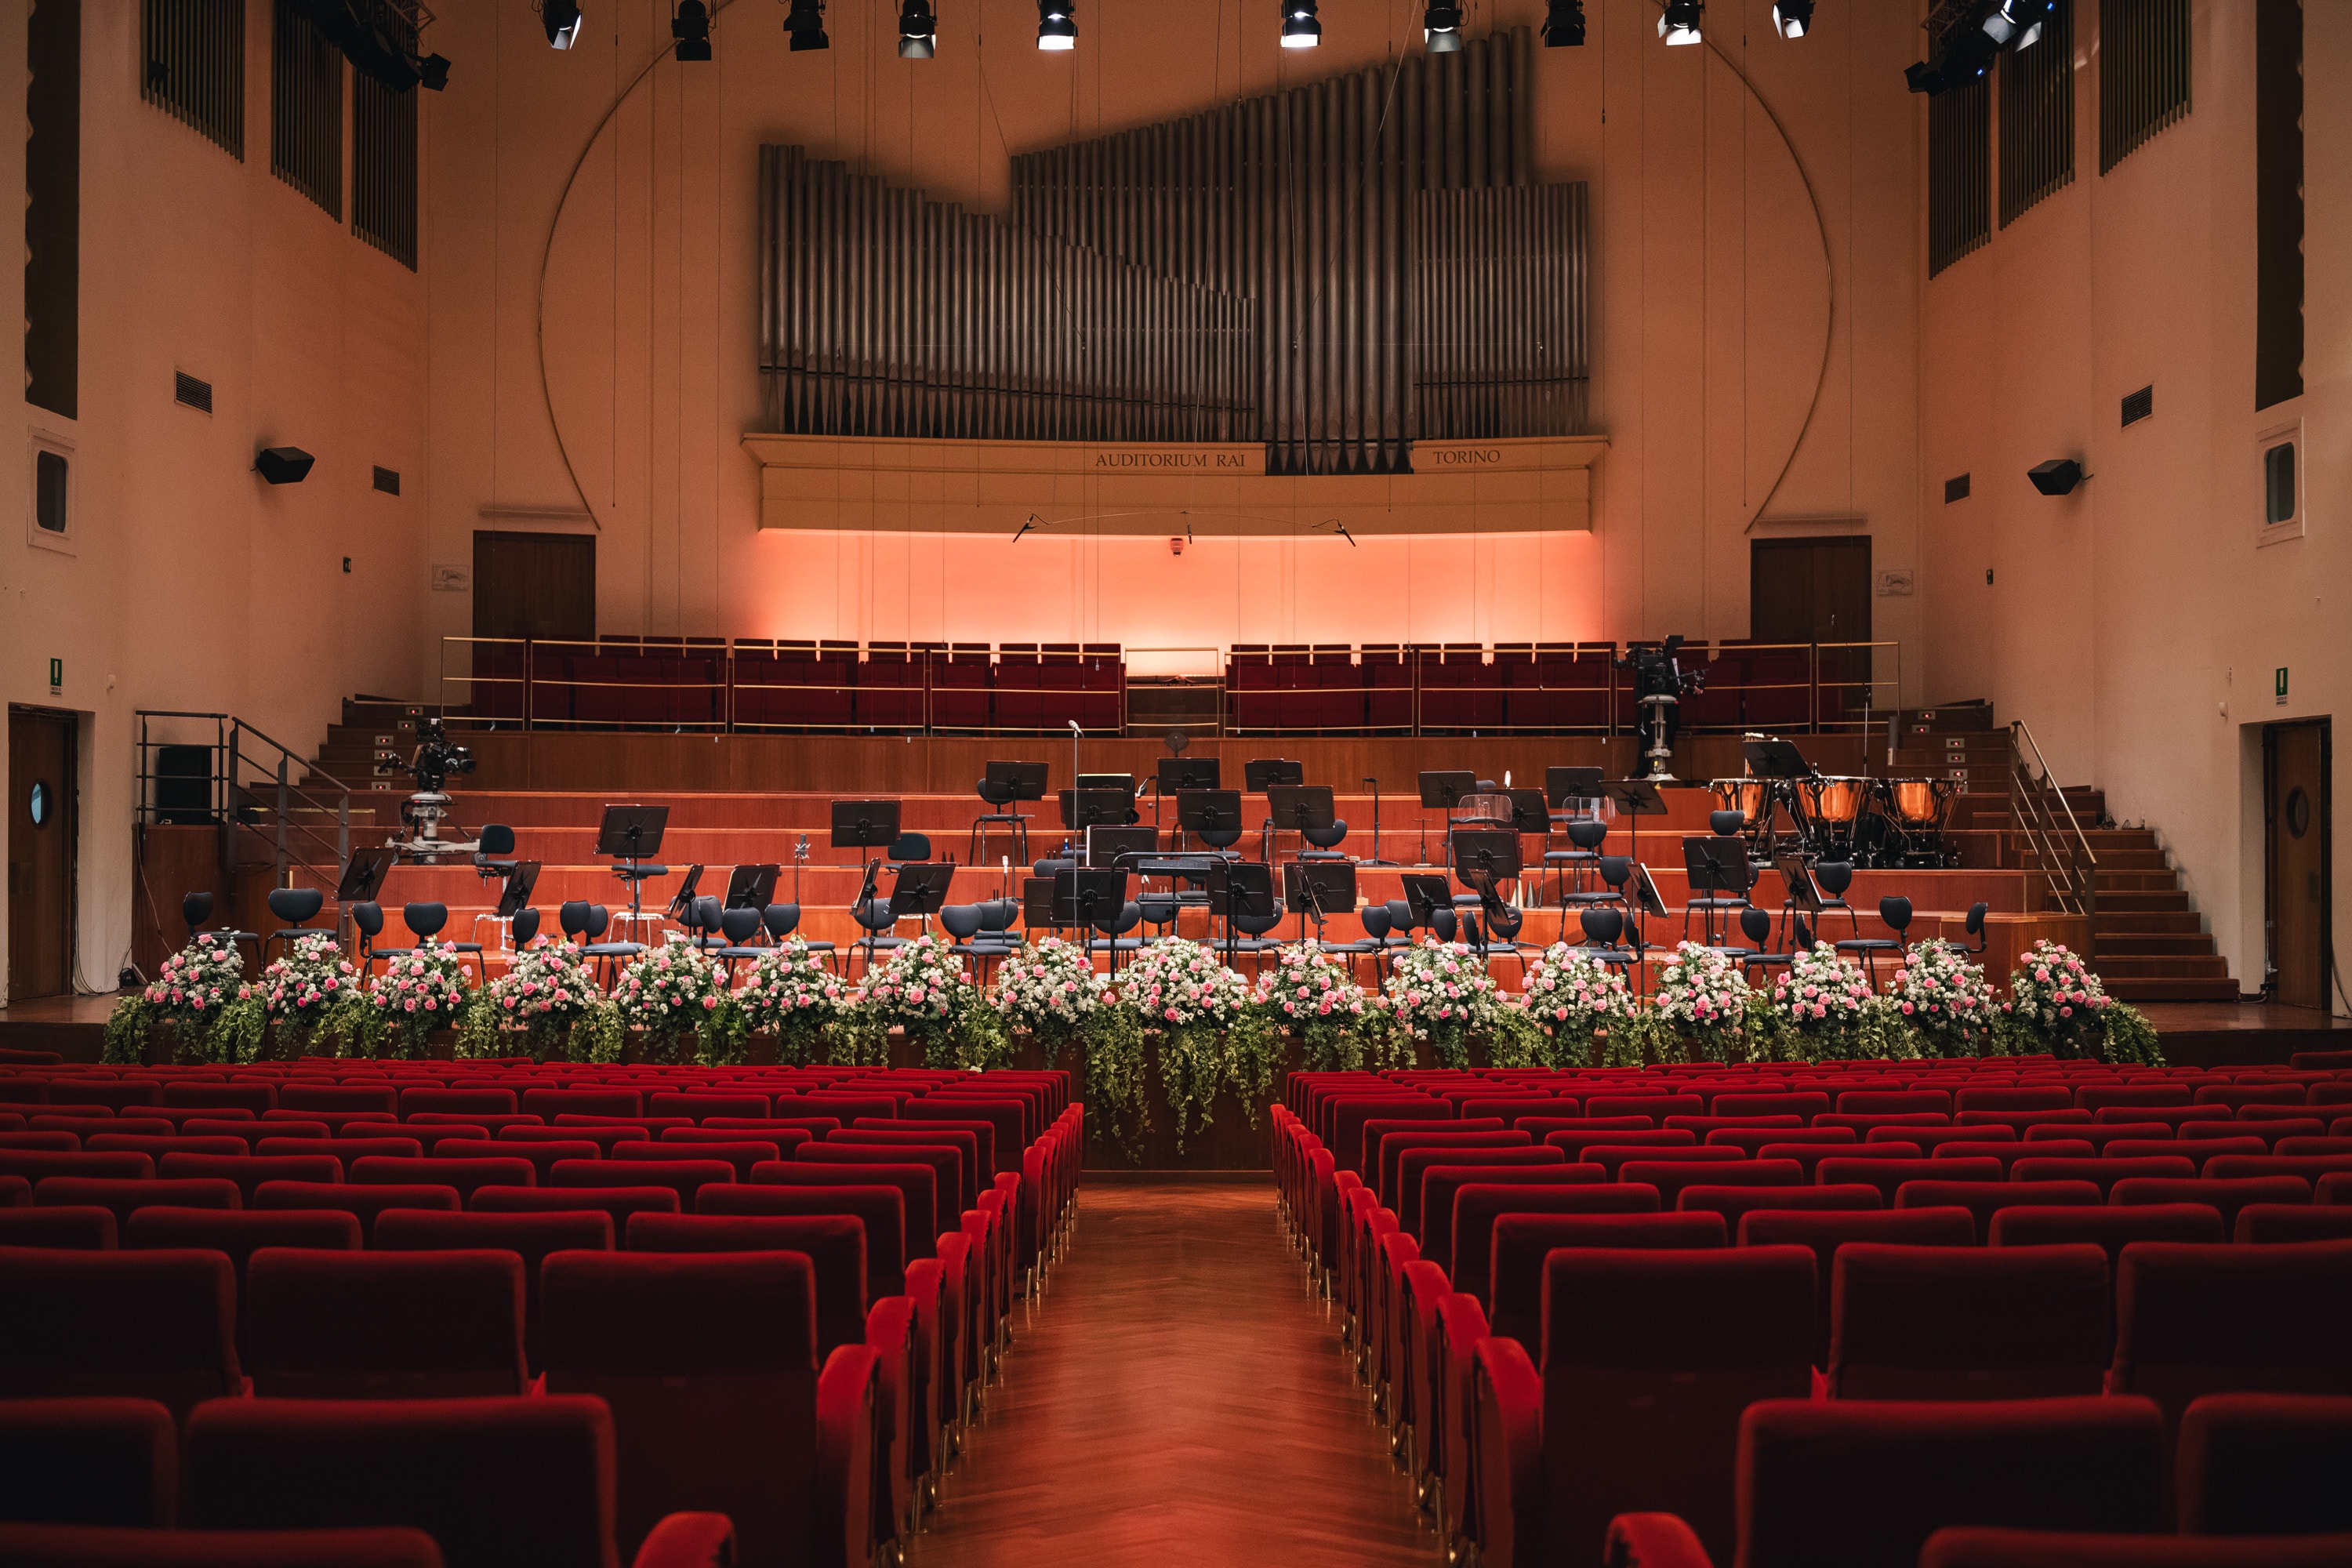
x,y
1205,322
1518,485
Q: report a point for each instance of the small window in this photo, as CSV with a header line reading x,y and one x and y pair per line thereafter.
x,y
49,522
2278,484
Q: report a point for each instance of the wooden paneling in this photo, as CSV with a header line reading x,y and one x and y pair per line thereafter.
x,y
40,853
1176,1399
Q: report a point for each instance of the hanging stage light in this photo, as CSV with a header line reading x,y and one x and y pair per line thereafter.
x,y
1679,22
1792,19
918,30
1057,25
1441,29
1564,25
2016,23
561,19
1300,30
691,28
804,25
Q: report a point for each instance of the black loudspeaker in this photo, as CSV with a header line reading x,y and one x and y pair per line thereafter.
x,y
184,785
2057,476
283,465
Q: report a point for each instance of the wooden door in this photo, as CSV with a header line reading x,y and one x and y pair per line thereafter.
x,y
535,585
40,853
2294,770
1816,590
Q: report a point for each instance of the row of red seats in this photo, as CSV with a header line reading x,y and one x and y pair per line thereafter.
x,y
480,1210
1398,1191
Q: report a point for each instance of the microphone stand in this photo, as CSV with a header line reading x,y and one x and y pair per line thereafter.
x,y
1376,860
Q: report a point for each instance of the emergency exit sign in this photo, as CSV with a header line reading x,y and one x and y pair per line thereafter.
x,y
57,675
2279,681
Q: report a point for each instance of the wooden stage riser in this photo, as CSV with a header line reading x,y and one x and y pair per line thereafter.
x,y
898,764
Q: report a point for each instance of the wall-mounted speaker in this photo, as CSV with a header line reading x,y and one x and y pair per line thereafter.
x,y
283,465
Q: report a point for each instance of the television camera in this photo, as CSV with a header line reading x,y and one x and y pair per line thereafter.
x,y
436,760
1660,684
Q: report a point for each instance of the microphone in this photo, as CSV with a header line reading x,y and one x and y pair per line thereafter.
x,y
1074,728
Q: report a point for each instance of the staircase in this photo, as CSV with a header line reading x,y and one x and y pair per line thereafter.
x,y
2149,944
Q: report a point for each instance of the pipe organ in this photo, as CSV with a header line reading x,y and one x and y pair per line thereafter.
x,y
1333,271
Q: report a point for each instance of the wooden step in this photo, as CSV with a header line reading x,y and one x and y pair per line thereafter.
x,y
2129,967
2141,944
2160,901
2130,922
2170,989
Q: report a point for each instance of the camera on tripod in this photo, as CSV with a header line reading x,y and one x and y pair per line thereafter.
x,y
437,758
1660,684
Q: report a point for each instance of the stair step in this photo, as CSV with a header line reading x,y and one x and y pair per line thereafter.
x,y
2170,989
2128,967
2129,923
2144,944
2142,901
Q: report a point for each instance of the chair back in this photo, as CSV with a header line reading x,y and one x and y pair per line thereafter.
x,y
875,914
526,926
779,920
706,913
369,918
1896,912
1325,838
197,909
572,916
295,905
1588,833
1726,823
425,921
1376,921
599,920
961,920
496,838
998,914
739,925
1617,870
1834,876
912,846
1755,926
1603,926
994,794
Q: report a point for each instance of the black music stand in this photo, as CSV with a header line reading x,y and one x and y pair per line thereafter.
x,y
1636,798
1110,781
751,886
920,889
1718,872
1319,888
1024,781
1375,859
1206,811
629,834
1295,808
363,875
681,904
1783,765
1085,808
518,887
1531,811
1564,784
1483,856
1241,888
864,824
1178,774
1443,791
1425,895
1122,845
1266,773
1038,910
1080,898
1801,894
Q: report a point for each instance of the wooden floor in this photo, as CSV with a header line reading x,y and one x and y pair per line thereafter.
x,y
1176,1399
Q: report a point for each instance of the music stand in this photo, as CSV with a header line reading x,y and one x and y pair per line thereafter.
x,y
1240,887
517,896
862,824
1110,781
363,875
1564,784
1038,910
751,886
1425,895
1483,856
1026,781
1636,798
1531,811
1717,868
1802,894
629,834
1178,774
1781,762
1319,888
681,904
1264,773
1119,844
1085,808
1206,811
920,889
1443,791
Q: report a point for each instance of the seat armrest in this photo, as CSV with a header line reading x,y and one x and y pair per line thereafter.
x,y
842,1531
1507,1461
689,1540
1653,1541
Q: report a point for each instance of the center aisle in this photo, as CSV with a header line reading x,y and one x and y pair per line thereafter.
x,y
1177,1398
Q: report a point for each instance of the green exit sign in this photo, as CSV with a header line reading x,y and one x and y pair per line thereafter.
x,y
2280,680
57,674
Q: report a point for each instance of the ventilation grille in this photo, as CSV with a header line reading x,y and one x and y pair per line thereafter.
x,y
383,169
2037,117
195,52
2139,405
1959,202
388,480
1956,489
187,390
305,108
2143,73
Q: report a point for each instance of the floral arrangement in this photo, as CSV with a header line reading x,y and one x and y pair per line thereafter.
x,y
1180,989
419,993
2053,993
676,993
1315,996
1945,998
1049,988
921,987
1440,996
314,996
1574,996
790,993
1821,997
201,993
1701,993
549,996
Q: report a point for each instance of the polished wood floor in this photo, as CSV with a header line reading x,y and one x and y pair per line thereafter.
x,y
1176,1398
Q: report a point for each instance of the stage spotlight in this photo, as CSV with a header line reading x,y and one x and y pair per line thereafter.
x,y
1794,18
918,30
804,25
1057,25
1300,30
1441,29
691,28
433,72
2057,476
1563,26
283,465
561,18
1921,76
2016,23
1679,22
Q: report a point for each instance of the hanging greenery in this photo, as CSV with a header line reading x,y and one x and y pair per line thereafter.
x,y
1112,1038
202,998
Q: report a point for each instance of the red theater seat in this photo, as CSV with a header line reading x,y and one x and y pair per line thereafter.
x,y
385,1325
125,1197
619,1203
1826,1232
880,1211
1945,1322
239,1234
88,1227
88,1461
1864,1483
1987,1547
366,1204
2265,1464
530,1236
1984,1199
157,1325
1478,1206
834,1244
111,1546
1522,1242
2192,1321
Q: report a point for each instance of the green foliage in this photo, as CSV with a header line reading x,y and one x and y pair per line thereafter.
x,y
1253,1058
723,1035
976,1037
1193,1068
858,1036
351,1028
2130,1036
1112,1037
1513,1039
1885,1034
126,1028
1644,1040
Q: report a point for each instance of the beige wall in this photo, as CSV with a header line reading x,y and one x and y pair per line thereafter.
x,y
2135,624
623,388
193,584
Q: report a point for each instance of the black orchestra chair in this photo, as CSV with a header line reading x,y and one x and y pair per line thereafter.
x,y
874,914
1724,825
609,954
1247,935
1576,863
1897,914
1000,798
526,926
198,908
1602,929
367,919
910,849
735,930
1110,933
1756,925
783,920
1160,911
1325,841
293,905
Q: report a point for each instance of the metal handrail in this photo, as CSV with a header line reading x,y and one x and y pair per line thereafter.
x,y
227,784
2037,787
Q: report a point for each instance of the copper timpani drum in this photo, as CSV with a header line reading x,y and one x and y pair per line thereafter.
x,y
1744,796
1919,803
1836,802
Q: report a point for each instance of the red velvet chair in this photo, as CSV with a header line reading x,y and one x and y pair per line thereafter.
x,y
1523,1241
85,1227
157,1325
385,1325
1988,1548
1946,1322
530,1236
114,1546
1828,1231
2265,1464
88,1461
2192,1321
